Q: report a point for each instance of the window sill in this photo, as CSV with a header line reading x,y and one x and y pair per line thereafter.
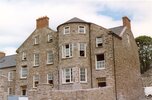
x,y
23,78
66,58
99,69
83,82
49,63
67,83
35,65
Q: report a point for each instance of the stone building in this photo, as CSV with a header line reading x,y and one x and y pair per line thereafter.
x,y
79,56
7,73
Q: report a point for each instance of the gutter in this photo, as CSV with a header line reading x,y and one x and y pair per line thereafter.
x,y
90,55
114,63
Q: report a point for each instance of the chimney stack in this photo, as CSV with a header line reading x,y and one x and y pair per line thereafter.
x,y
42,22
2,54
126,22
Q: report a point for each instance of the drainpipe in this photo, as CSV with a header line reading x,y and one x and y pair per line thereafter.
x,y
114,63
90,55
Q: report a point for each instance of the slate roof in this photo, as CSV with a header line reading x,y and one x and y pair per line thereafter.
x,y
75,19
117,30
8,61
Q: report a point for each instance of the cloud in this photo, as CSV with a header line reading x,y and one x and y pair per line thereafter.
x,y
18,17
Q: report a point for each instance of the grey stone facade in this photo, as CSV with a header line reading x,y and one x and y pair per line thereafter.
x,y
119,76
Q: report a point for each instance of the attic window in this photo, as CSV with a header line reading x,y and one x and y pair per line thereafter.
x,y
49,38
36,40
99,42
23,56
81,29
67,30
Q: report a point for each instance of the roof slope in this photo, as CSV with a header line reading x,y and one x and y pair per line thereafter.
x,y
75,19
117,30
8,61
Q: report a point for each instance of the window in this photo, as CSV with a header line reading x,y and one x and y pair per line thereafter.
x,y
36,40
49,57
67,30
101,82
23,90
99,42
23,56
10,92
100,62
50,78
35,81
82,49
67,51
36,59
67,75
24,72
83,74
49,38
10,76
128,39
81,29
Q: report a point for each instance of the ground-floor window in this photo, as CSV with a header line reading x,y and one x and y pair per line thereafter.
x,y
101,82
23,90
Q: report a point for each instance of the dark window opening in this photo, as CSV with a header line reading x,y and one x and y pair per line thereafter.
x,y
82,53
101,84
100,57
50,81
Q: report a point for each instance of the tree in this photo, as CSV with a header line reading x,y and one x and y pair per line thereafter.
x,y
144,44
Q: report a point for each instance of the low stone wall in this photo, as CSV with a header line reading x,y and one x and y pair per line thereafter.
x,y
46,93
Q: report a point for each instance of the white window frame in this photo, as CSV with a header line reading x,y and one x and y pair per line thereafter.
x,y
48,77
65,30
23,55
67,53
79,49
101,63
34,80
25,68
85,73
99,41
36,63
9,91
10,76
79,29
36,40
50,57
49,38
64,75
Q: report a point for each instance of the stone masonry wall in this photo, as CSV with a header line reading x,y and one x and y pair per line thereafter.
x,y
46,93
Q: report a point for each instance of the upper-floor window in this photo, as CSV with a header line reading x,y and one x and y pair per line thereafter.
x,y
36,59
81,29
101,81
67,75
99,42
23,55
36,40
83,74
67,30
50,78
10,76
35,81
82,49
67,51
100,61
49,38
24,72
49,57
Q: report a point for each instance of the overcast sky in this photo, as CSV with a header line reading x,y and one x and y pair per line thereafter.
x,y
18,17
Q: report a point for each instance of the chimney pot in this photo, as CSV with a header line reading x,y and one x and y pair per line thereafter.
x,y
126,22
2,54
42,22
